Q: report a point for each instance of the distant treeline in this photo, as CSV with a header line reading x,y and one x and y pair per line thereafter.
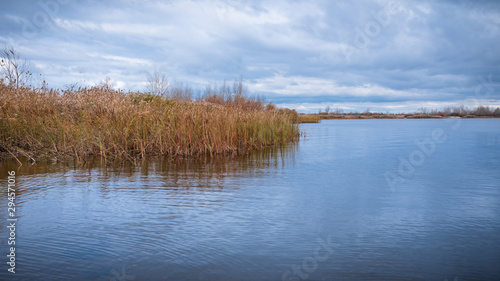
x,y
448,112
462,111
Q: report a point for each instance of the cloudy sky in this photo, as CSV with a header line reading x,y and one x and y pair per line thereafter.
x,y
384,55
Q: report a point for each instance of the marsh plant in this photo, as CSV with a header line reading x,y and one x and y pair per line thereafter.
x,y
102,121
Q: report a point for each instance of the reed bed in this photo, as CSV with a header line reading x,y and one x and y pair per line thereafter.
x,y
118,125
309,119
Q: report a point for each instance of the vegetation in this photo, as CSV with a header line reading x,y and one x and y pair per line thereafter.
x,y
13,68
448,112
461,111
303,118
117,125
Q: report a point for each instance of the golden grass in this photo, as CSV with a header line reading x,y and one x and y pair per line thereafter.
x,y
309,119
117,125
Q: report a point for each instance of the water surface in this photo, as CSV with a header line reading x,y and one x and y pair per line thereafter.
x,y
339,205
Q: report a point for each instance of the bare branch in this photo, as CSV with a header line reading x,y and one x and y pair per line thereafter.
x,y
157,83
14,69
106,84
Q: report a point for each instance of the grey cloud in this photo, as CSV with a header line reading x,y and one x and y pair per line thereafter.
x,y
426,51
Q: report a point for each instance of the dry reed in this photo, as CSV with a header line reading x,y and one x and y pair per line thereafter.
x,y
117,125
309,118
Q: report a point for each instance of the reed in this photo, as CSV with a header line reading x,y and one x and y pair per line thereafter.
x,y
117,125
309,118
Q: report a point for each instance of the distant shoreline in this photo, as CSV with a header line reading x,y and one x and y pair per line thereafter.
x,y
315,118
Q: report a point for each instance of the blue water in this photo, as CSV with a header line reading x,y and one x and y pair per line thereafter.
x,y
353,200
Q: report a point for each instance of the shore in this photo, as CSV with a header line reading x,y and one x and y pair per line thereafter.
x,y
315,118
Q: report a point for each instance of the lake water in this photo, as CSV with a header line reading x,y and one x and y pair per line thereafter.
x,y
353,200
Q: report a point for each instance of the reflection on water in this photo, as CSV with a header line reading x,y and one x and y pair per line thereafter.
x,y
262,216
177,173
94,219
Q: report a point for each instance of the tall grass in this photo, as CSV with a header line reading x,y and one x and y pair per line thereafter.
x,y
303,118
118,125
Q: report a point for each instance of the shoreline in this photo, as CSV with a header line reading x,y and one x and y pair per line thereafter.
x,y
316,118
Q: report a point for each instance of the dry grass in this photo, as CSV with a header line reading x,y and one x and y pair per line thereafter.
x,y
309,118
118,125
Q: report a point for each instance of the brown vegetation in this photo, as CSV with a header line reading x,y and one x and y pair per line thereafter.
x,y
305,118
118,125
448,112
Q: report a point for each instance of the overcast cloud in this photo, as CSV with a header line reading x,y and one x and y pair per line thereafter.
x,y
384,55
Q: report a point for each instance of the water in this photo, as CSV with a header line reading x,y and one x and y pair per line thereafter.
x,y
332,207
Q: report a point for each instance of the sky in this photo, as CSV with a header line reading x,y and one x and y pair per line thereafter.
x,y
382,55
